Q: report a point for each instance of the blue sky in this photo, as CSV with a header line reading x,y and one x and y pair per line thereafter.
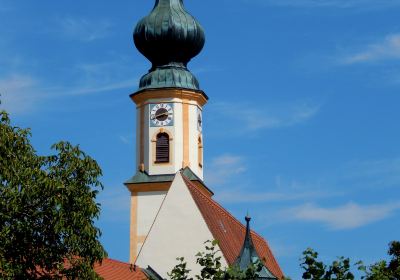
x,y
313,86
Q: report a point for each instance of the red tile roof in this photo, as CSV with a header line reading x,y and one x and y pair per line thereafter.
x,y
116,270
229,231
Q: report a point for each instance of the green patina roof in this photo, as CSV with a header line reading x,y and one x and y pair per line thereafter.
x,y
169,37
188,173
248,256
169,77
152,274
142,177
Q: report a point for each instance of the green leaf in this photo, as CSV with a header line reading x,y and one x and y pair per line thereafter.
x,y
47,209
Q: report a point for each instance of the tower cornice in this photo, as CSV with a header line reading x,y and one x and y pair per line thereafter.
x,y
140,97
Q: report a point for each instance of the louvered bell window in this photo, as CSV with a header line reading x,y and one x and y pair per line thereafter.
x,y
162,148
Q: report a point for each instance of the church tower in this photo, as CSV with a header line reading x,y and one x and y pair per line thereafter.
x,y
169,101
169,105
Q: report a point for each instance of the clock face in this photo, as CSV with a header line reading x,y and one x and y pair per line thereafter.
x,y
161,114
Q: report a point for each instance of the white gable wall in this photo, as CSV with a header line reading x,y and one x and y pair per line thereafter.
x,y
178,231
148,205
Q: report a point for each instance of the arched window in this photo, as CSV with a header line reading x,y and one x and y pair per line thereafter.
x,y
162,148
200,151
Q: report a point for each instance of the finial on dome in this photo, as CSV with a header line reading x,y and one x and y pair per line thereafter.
x,y
169,37
247,218
248,234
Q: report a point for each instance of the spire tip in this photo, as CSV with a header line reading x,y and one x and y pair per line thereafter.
x,y
248,218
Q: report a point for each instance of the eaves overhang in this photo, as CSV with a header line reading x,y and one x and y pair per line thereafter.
x,y
142,177
169,92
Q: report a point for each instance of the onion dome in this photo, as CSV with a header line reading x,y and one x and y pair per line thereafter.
x,y
169,37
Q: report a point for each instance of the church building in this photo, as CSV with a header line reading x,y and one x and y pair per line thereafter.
x,y
172,211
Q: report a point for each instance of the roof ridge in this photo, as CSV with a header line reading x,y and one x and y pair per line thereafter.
x,y
118,270
118,261
113,260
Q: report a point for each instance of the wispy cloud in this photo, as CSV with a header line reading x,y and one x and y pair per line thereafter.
x,y
84,29
251,117
22,94
126,139
19,93
282,248
103,76
348,216
347,179
223,168
98,88
115,203
379,167
282,190
343,4
369,174
387,49
261,197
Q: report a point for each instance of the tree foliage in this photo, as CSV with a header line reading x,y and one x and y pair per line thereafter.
x,y
317,270
211,267
313,268
340,269
47,209
383,270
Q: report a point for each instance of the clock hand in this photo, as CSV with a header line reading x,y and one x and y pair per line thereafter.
x,y
159,115
162,114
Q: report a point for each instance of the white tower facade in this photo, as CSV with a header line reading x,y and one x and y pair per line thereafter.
x,y
169,131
